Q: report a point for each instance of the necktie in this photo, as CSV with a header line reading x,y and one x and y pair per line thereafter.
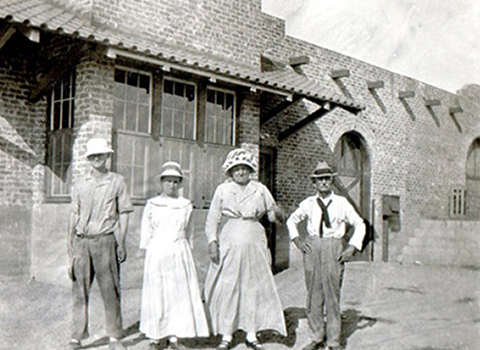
x,y
325,218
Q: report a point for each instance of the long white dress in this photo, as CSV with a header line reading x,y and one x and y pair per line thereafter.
x,y
240,290
171,302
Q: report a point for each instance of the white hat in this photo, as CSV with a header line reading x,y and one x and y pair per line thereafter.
x,y
97,146
239,156
322,170
171,169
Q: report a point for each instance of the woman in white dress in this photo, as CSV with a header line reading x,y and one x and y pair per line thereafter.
x,y
240,290
171,302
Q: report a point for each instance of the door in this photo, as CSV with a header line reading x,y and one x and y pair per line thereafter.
x,y
353,182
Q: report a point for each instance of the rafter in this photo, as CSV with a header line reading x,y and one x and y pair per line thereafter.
x,y
6,33
279,108
58,70
304,122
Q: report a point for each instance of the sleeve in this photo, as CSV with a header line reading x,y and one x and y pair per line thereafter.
x,y
269,203
124,205
214,216
146,227
352,217
75,207
190,227
296,218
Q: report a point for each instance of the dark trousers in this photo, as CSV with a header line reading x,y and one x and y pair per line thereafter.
x,y
96,257
323,278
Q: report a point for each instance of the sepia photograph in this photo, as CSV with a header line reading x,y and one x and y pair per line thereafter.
x,y
239,174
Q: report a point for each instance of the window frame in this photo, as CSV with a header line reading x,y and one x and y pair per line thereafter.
x,y
234,115
195,111
150,100
54,136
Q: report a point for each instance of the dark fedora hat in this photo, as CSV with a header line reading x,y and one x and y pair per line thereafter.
x,y
322,170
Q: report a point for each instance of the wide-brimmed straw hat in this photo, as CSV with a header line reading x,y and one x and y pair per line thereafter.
x,y
97,146
322,170
170,169
239,156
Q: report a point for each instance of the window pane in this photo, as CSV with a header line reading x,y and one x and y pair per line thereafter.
x,y
66,88
131,116
132,79
179,89
143,118
178,124
119,91
57,91
144,84
120,76
189,125
56,115
167,122
131,93
211,96
168,87
190,93
66,114
118,114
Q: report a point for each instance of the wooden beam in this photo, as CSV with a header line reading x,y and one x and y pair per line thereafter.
x,y
339,73
5,35
304,122
375,84
58,70
431,103
457,109
298,61
279,108
406,94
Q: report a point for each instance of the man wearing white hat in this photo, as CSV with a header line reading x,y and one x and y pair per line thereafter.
x,y
100,207
324,254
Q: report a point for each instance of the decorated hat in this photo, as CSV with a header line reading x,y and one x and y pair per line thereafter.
x,y
239,156
97,146
322,170
171,169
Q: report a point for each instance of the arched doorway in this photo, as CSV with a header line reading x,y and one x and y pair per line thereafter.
x,y
353,180
473,181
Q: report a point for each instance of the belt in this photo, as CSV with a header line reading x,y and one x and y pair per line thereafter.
x,y
82,235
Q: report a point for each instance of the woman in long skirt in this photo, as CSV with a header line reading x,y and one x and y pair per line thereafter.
x,y
171,302
240,290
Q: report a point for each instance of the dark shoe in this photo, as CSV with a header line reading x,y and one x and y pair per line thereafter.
x,y
116,345
334,348
314,345
74,345
154,346
224,345
255,345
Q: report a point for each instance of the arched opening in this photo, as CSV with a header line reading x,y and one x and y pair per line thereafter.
x,y
473,180
353,180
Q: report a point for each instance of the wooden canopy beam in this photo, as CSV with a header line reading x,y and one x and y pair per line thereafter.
x,y
6,33
371,85
431,103
58,70
279,108
304,122
339,73
406,94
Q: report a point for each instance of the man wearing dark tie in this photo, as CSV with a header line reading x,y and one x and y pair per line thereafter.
x,y
324,254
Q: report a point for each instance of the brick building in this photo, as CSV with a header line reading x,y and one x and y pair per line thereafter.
x,y
190,80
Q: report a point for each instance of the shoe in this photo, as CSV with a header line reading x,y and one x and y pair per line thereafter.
x,y
74,345
173,345
255,345
334,348
154,346
314,346
116,345
224,345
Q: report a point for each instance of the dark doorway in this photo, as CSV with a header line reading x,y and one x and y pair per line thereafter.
x,y
277,235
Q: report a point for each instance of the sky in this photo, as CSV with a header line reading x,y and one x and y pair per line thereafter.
x,y
434,41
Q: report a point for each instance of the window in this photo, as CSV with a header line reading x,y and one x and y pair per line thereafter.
x,y
60,121
132,101
220,117
178,109
132,116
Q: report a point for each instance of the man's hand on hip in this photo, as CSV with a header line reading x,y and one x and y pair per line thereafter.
x,y
347,254
303,245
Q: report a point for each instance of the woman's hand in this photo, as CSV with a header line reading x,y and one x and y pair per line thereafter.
x,y
347,254
279,215
213,252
